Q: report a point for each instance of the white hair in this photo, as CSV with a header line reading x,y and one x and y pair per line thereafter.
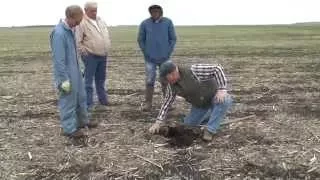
x,y
90,4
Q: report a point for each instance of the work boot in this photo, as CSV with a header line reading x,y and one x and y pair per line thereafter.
x,y
78,138
77,134
148,98
90,124
207,136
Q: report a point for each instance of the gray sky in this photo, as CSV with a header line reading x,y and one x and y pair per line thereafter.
x,y
182,12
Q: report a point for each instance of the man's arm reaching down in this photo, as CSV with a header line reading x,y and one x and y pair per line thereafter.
x,y
170,97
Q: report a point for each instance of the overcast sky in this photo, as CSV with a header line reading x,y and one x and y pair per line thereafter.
x,y
182,12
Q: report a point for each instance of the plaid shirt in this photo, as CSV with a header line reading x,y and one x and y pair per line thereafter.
x,y
202,72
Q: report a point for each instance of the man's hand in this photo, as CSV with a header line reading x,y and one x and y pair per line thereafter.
x,y
220,96
155,127
66,86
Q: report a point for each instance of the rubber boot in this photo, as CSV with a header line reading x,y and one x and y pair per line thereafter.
x,y
148,98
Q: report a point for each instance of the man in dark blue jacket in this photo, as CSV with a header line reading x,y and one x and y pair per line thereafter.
x,y
157,39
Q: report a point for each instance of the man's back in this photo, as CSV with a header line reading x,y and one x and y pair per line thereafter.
x,y
198,93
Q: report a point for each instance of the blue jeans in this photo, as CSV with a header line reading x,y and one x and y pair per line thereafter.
x,y
216,113
95,67
151,72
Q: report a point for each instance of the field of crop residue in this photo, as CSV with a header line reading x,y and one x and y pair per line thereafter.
x,y
273,74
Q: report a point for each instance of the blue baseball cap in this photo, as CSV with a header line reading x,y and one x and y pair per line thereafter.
x,y
166,68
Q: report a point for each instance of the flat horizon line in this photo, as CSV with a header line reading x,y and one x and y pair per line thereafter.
x,y
135,25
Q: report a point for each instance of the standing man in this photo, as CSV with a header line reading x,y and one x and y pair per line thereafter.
x,y
204,87
93,44
157,39
67,75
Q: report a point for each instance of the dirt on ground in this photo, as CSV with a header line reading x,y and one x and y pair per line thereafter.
x,y
282,141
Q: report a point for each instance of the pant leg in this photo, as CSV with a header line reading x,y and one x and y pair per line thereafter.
x,y
151,73
67,108
206,117
89,72
82,115
218,112
195,117
100,78
82,109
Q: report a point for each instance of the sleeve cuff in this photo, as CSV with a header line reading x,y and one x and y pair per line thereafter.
x,y
159,121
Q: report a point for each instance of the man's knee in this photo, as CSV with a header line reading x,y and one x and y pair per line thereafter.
x,y
150,79
228,101
151,73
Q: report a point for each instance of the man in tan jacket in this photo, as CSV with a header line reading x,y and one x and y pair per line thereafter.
x,y
93,43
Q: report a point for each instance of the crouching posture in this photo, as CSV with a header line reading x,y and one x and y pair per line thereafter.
x,y
202,85
67,75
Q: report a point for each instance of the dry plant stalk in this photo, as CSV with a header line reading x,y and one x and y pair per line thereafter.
x,y
149,161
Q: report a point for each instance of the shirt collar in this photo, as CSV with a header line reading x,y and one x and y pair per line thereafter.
x,y
66,25
156,21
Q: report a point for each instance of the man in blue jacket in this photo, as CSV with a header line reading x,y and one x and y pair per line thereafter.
x,y
67,76
157,39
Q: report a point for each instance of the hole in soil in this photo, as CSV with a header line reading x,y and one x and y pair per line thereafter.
x,y
180,136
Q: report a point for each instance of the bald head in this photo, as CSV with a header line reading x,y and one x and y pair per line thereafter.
x,y
73,11
91,9
74,14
